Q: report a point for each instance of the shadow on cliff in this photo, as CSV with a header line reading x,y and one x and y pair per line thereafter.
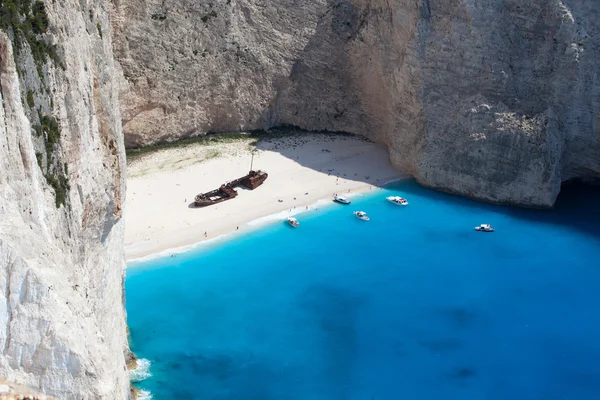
x,y
316,98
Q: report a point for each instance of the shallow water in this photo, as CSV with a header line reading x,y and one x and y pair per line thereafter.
x,y
413,304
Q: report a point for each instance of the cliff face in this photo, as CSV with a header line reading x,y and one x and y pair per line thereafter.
x,y
495,99
62,321
193,67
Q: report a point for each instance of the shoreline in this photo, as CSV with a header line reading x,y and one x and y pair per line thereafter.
x,y
252,225
157,228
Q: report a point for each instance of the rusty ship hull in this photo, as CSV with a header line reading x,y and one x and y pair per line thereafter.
x,y
227,190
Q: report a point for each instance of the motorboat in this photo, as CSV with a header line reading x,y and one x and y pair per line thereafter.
x,y
293,222
341,200
362,215
397,200
484,228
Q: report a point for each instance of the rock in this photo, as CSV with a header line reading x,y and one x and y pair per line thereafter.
x,y
494,154
494,99
11,391
400,72
62,320
192,67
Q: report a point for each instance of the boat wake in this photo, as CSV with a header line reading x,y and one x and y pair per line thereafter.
x,y
141,372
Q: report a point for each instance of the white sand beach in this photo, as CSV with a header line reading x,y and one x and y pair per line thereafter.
x,y
302,170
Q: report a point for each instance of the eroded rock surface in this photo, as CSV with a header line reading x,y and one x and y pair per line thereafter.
x,y
404,73
62,320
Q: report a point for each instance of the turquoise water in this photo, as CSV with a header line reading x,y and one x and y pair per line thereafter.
x,y
412,305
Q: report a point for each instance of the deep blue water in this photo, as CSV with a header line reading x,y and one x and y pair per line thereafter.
x,y
412,305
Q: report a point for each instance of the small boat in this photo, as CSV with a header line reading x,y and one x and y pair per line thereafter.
x,y
484,228
397,200
293,222
341,200
362,215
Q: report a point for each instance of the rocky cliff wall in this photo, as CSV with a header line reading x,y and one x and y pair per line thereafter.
x,y
495,99
197,66
62,321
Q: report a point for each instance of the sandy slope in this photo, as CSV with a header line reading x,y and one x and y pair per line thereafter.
x,y
302,170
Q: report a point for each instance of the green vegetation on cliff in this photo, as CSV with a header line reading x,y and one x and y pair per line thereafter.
x,y
55,176
27,21
214,138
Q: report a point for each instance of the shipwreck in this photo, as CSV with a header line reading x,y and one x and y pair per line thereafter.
x,y
227,190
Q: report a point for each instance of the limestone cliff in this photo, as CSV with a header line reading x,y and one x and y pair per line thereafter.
x,y
495,99
62,321
196,66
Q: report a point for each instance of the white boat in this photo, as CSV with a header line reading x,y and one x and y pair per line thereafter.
x,y
484,228
293,222
340,199
397,200
362,215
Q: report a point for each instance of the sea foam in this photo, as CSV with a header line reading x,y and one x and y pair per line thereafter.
x,y
141,372
144,395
